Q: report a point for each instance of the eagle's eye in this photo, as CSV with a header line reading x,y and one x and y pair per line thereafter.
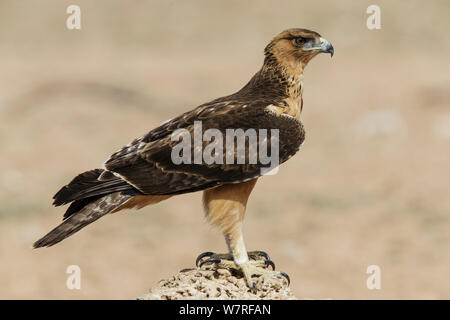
x,y
299,41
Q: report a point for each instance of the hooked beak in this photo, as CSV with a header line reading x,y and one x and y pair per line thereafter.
x,y
324,46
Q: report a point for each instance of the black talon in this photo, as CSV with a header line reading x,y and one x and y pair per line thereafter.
x,y
211,260
256,254
265,255
253,288
284,274
202,255
270,263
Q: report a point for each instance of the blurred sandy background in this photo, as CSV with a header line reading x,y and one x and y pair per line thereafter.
x,y
370,186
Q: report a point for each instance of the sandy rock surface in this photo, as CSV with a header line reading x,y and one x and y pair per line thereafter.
x,y
210,282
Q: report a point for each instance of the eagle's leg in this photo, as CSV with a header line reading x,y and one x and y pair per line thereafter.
x,y
225,208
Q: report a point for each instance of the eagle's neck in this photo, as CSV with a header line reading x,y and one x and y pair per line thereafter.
x,y
276,82
280,85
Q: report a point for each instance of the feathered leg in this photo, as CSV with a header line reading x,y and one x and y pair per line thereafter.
x,y
225,208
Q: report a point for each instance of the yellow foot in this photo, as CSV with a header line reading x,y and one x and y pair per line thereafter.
x,y
257,265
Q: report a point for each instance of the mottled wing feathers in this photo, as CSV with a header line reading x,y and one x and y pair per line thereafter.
x,y
146,163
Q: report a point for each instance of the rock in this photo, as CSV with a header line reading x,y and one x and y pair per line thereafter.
x,y
210,282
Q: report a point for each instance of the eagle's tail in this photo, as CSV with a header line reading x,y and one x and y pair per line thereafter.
x,y
88,214
92,194
90,184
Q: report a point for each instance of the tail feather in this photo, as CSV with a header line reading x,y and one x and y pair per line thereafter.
x,y
88,214
77,205
92,194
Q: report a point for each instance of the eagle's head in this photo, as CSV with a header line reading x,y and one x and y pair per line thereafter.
x,y
294,48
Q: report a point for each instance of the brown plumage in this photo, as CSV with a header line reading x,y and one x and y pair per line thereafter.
x,y
143,173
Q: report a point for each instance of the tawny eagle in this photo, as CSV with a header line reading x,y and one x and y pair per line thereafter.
x,y
143,172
